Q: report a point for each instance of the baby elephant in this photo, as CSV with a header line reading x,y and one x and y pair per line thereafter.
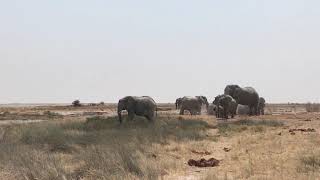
x,y
140,106
229,105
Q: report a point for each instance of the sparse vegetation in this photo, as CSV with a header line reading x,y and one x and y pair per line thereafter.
x,y
50,114
76,103
313,107
105,147
229,128
99,147
309,162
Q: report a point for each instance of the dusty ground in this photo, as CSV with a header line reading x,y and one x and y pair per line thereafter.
x,y
64,142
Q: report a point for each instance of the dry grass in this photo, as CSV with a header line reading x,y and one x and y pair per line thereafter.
x,y
103,148
100,148
230,128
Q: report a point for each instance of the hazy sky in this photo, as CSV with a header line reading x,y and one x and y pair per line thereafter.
x,y
100,50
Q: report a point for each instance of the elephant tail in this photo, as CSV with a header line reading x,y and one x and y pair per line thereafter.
x,y
157,111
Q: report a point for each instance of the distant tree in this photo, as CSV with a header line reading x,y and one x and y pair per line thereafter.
x,y
76,103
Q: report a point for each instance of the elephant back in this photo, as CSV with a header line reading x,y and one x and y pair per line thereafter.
x,y
247,96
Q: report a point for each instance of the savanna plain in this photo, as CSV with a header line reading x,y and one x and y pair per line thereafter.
x,y
63,142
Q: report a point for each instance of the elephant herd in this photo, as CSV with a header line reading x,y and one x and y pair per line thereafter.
x,y
223,106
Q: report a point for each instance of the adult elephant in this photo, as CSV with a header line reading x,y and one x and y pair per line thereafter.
x,y
218,107
178,103
218,111
261,105
244,96
228,104
193,104
243,110
140,106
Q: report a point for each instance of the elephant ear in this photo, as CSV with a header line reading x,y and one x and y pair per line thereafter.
x,y
201,99
130,102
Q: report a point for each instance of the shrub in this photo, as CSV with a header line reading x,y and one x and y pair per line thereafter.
x,y
76,103
310,162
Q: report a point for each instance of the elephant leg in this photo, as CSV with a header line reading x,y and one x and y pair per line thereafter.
x,y
149,117
250,110
181,111
198,112
256,113
225,113
131,116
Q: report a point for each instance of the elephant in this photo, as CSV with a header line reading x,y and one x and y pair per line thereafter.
x,y
211,109
243,110
140,106
218,111
218,108
178,103
228,104
261,105
244,96
193,104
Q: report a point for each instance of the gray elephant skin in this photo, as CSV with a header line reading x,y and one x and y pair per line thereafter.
x,y
193,104
218,108
228,104
140,106
261,106
244,96
213,110
243,110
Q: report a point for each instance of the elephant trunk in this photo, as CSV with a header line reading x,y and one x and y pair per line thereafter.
x,y
120,108
207,105
119,116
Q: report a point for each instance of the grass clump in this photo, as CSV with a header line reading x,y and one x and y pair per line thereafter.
x,y
100,147
52,115
271,123
229,128
51,135
309,163
24,162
